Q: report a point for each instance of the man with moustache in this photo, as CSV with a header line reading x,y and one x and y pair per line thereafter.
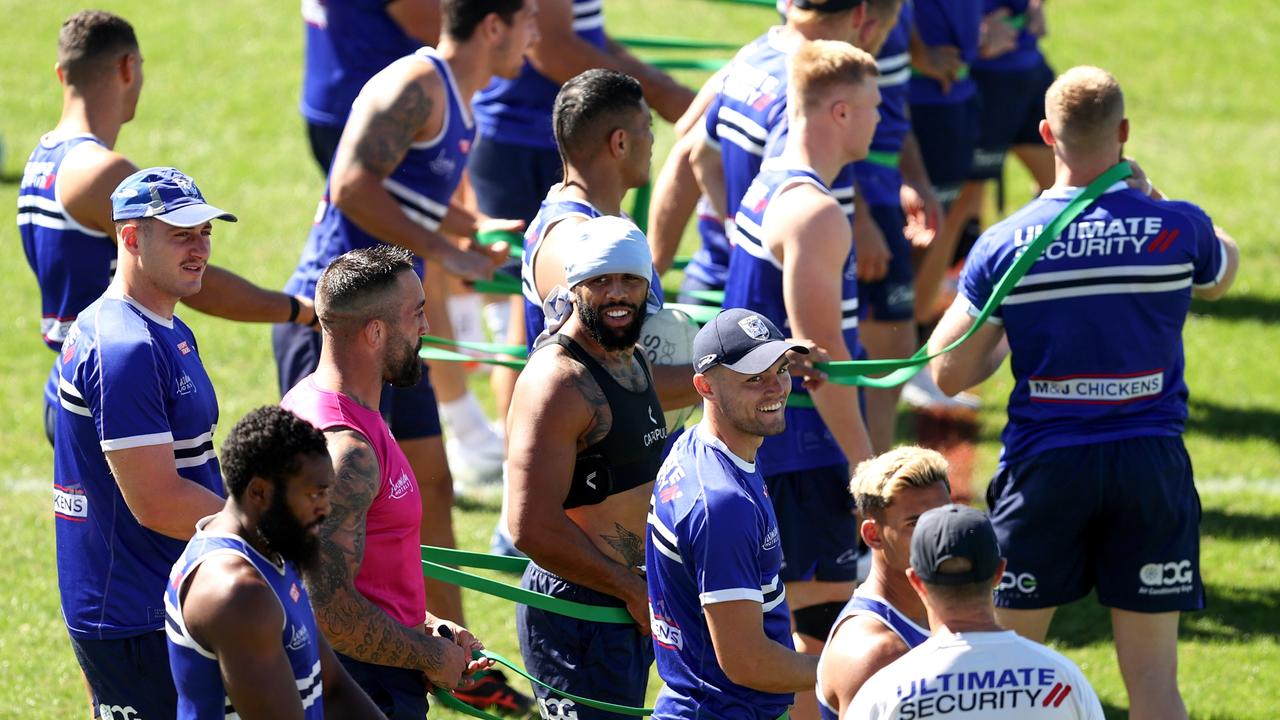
x,y
719,617
585,437
242,635
367,584
884,618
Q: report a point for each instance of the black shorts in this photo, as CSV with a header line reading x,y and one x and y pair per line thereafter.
x,y
1121,516
510,181
817,523
892,298
324,144
411,413
947,134
400,693
129,677
1012,108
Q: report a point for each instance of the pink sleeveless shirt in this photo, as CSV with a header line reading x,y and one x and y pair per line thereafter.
x,y
391,571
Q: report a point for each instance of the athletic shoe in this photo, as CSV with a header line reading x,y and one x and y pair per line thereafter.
x,y
923,393
492,692
476,468
501,544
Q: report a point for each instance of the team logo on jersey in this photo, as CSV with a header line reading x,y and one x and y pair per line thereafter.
x,y
754,326
294,592
1097,389
184,347
185,385
298,638
70,503
771,539
401,486
666,633
442,164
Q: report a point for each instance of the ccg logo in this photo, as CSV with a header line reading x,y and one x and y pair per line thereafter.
x,y
116,712
1024,583
557,709
1166,574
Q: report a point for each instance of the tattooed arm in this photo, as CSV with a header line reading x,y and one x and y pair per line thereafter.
x,y
354,625
556,408
403,103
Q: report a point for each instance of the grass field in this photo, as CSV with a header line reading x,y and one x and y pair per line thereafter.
x,y
220,103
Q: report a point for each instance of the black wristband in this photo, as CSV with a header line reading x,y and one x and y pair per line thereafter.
x,y
295,307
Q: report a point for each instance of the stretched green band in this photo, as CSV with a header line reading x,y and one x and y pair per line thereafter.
x,y
496,348
501,284
680,263
514,239
711,64
884,159
1016,22
653,42
442,355
961,74
854,372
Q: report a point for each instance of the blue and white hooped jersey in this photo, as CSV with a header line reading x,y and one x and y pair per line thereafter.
x,y
73,264
422,184
345,43
755,283
550,213
201,694
866,604
710,262
712,537
1026,54
947,22
1095,327
879,183
129,378
518,111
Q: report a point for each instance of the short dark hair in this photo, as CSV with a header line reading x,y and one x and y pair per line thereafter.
x,y
269,443
89,41
461,17
589,107
354,287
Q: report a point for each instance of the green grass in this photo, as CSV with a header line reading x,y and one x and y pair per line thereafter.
x,y
220,102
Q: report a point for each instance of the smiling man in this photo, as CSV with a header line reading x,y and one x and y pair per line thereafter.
x,y
134,465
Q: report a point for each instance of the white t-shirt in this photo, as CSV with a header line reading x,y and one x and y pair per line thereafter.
x,y
977,675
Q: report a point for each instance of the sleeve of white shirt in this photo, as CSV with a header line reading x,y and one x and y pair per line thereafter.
x,y
1088,706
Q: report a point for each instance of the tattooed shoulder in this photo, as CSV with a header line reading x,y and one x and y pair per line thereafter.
x,y
389,126
593,396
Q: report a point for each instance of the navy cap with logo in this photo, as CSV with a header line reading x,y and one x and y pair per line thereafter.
x,y
741,340
163,193
954,531
825,6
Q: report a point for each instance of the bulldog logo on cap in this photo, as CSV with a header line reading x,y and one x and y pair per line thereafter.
x,y
754,327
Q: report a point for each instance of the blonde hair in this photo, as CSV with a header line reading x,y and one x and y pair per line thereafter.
x,y
876,481
1084,107
819,66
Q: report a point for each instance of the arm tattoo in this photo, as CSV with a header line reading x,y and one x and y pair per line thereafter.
x,y
627,544
354,625
389,130
593,396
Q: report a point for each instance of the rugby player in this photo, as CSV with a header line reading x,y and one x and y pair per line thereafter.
x,y
1094,488
971,667
884,618
718,612
242,635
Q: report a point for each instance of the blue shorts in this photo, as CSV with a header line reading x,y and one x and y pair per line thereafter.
x,y
411,413
323,140
948,134
129,677
400,693
817,523
601,661
893,297
510,181
1012,108
1121,516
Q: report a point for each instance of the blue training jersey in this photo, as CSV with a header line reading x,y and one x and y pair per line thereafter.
x,y
755,283
201,694
129,378
422,184
878,177
1095,327
947,22
712,537
1026,54
345,42
518,111
72,263
866,604
710,262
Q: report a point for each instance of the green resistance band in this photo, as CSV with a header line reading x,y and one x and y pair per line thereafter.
x,y
519,351
884,159
961,74
514,239
855,372
501,284
709,64
681,263
653,42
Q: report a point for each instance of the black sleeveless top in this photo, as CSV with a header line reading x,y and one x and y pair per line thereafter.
x,y
631,453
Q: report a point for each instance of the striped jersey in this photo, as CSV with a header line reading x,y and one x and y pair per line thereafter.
x,y
73,264
712,538
129,378
345,42
201,694
422,184
867,604
956,23
878,177
1095,327
518,111
755,283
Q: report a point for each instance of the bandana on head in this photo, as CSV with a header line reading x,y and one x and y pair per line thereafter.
x,y
604,245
